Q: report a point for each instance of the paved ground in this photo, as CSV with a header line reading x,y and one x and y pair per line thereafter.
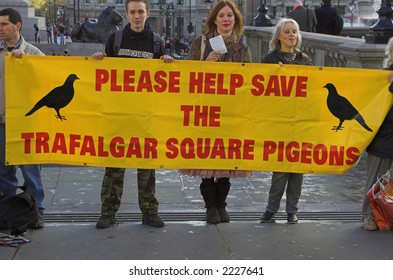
x,y
329,226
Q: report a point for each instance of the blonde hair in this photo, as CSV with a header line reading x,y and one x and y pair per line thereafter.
x,y
275,43
389,47
210,26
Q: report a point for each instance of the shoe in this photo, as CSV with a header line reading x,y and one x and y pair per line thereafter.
x,y
212,215
292,218
152,220
224,217
267,217
369,223
106,222
38,224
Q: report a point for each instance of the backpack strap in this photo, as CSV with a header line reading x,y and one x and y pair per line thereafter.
x,y
117,43
156,45
203,46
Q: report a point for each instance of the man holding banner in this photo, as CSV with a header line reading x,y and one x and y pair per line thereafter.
x,y
137,41
13,42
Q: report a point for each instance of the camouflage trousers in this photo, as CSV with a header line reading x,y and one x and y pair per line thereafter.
x,y
112,190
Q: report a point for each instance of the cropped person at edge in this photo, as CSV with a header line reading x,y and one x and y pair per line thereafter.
x,y
380,150
12,41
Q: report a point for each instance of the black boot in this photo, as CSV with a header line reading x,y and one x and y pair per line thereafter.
x,y
209,192
223,186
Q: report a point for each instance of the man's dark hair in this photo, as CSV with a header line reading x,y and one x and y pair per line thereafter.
x,y
327,1
13,15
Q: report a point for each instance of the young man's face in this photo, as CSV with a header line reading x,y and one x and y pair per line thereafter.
x,y
137,14
8,30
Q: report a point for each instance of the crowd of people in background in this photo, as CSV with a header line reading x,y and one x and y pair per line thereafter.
x,y
55,33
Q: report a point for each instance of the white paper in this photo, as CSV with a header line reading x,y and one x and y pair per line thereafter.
x,y
218,44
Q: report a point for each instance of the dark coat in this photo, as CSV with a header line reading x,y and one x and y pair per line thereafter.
x,y
305,17
325,17
382,144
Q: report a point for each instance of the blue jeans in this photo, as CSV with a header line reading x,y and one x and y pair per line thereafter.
x,y
31,175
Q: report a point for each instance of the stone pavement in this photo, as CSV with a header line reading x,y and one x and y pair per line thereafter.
x,y
329,227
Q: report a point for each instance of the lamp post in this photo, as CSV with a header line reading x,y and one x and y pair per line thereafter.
x,y
190,26
180,19
382,30
168,10
262,19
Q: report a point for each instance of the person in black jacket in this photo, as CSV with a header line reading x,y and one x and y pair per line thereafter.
x,y
326,15
380,150
137,42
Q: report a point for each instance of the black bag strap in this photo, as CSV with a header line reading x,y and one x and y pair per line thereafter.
x,y
157,42
117,43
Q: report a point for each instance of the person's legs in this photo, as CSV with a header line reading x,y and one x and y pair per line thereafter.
x,y
32,178
148,204
7,172
376,166
223,185
111,193
208,190
294,190
279,181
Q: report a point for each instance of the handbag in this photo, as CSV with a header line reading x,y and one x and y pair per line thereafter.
x,y
381,199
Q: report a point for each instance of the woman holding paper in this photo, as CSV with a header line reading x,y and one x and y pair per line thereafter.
x,y
220,42
284,48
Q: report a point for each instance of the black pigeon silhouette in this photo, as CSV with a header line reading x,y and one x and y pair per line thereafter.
x,y
342,109
58,97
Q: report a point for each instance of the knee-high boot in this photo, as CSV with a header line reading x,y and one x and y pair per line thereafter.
x,y
223,186
209,192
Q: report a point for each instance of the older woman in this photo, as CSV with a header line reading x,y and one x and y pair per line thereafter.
x,y
284,48
224,19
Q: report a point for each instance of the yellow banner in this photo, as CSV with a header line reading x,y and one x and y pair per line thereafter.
x,y
187,114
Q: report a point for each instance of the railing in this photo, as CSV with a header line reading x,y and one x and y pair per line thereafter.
x,y
324,50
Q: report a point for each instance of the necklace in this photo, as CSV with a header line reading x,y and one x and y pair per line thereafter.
x,y
289,57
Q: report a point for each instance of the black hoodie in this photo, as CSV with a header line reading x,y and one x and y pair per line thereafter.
x,y
134,44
